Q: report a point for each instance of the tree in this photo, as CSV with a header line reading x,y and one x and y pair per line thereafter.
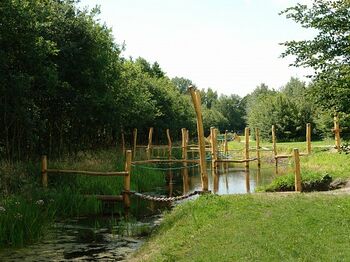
x,y
182,83
213,118
288,109
328,53
232,108
209,97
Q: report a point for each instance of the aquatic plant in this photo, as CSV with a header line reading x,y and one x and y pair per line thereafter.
x,y
23,221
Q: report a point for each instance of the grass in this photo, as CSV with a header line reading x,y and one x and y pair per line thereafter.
x,y
260,227
316,168
23,221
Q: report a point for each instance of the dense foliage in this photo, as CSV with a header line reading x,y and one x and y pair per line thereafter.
x,y
65,86
328,53
289,109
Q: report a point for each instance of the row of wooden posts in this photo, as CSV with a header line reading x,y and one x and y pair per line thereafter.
x,y
201,148
185,137
296,154
184,146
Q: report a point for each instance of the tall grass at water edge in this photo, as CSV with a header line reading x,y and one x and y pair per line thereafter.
x,y
26,209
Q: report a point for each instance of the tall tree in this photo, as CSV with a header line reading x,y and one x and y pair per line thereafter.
x,y
328,53
182,83
232,108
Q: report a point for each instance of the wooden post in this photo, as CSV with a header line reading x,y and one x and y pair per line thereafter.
x,y
184,143
274,146
297,170
246,149
187,136
135,141
225,144
226,150
257,140
149,146
201,142
126,196
169,143
308,138
337,132
44,171
213,137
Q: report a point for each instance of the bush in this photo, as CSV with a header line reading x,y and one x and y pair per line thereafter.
x,y
310,182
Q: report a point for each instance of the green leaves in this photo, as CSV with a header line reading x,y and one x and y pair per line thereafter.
x,y
328,53
288,109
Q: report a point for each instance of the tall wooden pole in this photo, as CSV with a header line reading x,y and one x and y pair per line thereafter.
x,y
337,132
134,134
274,146
308,138
169,143
257,140
226,150
184,143
213,140
126,197
149,146
225,144
246,149
187,136
203,165
297,170
44,171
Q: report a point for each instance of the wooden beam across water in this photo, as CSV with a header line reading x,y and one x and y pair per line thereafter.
x,y
88,173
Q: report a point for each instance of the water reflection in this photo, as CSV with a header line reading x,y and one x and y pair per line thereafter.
x,y
224,179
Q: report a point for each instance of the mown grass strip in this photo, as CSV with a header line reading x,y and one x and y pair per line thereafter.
x,y
261,227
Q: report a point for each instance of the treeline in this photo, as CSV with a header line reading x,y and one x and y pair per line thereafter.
x,y
66,87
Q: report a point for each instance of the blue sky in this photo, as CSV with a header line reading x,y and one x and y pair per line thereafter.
x,y
230,46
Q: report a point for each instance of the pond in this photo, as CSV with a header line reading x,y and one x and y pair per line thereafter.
x,y
107,238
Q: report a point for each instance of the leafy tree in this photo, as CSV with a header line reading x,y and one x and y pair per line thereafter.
x,y
209,97
182,83
288,109
232,108
157,71
328,53
213,118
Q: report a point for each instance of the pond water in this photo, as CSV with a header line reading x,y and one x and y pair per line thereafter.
x,y
104,239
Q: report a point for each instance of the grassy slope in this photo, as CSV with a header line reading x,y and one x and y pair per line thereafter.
x,y
261,227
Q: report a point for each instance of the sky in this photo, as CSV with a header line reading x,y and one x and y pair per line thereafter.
x,y
231,46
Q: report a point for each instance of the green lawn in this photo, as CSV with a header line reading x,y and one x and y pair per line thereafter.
x,y
259,227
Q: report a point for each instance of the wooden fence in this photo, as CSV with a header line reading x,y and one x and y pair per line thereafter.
x,y
126,174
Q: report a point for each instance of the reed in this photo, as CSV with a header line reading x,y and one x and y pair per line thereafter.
x,y
34,209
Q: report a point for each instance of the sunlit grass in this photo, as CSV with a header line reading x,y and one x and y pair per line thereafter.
x,y
259,227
